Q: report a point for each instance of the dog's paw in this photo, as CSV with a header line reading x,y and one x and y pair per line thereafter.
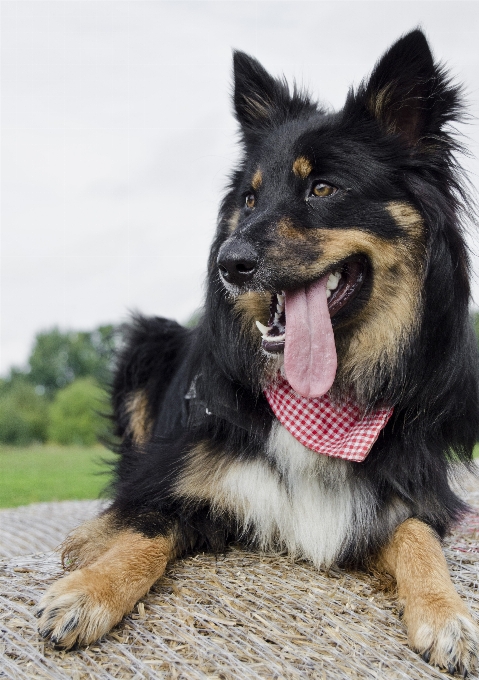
x,y
446,638
78,609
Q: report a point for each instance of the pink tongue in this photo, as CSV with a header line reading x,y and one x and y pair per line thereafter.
x,y
310,359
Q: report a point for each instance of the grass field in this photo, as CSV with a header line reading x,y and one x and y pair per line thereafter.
x,y
51,473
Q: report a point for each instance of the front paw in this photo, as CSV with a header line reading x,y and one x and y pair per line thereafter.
x,y
78,609
445,636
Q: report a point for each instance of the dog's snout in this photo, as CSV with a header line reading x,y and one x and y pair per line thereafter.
x,y
237,262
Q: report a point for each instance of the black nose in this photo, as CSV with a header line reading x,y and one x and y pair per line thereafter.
x,y
237,262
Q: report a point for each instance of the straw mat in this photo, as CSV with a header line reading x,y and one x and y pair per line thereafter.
x,y
41,526
238,615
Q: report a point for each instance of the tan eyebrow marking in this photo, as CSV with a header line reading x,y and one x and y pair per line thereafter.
x,y
302,167
257,180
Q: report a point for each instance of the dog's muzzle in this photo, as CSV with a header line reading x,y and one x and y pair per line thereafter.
x,y
237,262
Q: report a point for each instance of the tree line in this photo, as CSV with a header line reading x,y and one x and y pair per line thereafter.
x,y
60,396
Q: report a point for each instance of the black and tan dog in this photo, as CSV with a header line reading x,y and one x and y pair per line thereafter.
x,y
331,383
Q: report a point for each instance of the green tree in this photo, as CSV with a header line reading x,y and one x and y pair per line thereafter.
x,y
23,413
57,358
75,413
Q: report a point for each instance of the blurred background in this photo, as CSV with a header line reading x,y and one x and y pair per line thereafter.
x,y
117,140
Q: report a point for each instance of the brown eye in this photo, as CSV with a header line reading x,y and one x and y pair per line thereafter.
x,y
250,201
322,189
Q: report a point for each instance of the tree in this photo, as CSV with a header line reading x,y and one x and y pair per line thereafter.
x,y
59,358
23,413
74,414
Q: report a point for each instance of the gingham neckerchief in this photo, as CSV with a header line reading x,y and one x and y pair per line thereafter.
x,y
324,427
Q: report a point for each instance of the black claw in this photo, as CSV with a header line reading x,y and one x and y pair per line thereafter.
x,y
39,612
46,633
69,625
451,669
57,645
426,656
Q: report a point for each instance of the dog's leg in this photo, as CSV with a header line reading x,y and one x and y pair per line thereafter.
x,y
438,622
113,576
89,541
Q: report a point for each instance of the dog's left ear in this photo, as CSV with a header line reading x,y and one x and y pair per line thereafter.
x,y
260,100
407,93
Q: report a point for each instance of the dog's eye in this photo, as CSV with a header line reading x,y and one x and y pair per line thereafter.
x,y
321,189
250,201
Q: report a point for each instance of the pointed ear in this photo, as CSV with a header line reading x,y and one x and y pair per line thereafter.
x,y
407,93
257,95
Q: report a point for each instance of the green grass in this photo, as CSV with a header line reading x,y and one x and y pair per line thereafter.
x,y
51,473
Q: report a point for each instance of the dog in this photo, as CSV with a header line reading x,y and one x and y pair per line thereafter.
x,y
331,385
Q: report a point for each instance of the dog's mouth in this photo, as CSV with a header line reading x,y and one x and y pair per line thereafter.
x,y
342,286
300,325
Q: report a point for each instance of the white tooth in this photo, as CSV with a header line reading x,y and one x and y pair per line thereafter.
x,y
280,307
333,281
264,330
328,293
280,299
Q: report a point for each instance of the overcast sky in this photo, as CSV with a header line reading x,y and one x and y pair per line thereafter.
x,y
117,137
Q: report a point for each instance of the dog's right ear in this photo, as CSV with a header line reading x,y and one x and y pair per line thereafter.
x,y
257,95
409,94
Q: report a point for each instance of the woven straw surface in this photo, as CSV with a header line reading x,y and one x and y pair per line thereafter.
x,y
41,526
241,615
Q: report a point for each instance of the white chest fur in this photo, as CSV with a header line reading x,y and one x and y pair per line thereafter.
x,y
302,502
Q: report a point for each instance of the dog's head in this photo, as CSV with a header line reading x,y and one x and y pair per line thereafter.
x,y
339,228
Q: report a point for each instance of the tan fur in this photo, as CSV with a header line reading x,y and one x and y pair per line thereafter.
x,y
409,119
202,474
288,230
86,604
252,306
257,107
257,180
88,542
302,167
378,104
408,219
233,221
437,620
140,422
207,477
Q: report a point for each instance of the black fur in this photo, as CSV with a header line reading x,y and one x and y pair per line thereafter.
x,y
390,143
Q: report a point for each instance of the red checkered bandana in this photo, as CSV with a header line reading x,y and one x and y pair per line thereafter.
x,y
324,427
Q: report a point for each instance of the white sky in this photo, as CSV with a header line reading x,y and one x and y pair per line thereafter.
x,y
117,137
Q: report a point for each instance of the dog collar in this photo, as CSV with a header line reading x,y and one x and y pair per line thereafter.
x,y
340,431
